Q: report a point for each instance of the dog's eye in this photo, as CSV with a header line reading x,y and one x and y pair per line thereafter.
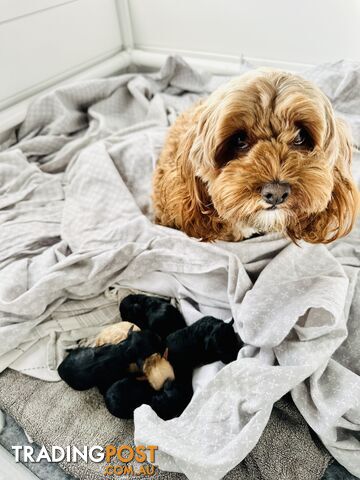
x,y
299,139
232,148
303,139
241,141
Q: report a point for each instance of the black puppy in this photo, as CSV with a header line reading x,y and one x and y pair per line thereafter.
x,y
205,341
173,399
100,367
124,396
153,313
127,394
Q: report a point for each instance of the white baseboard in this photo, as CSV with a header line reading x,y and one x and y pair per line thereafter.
x,y
215,63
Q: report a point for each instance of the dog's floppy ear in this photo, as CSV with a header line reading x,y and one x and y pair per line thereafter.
x,y
339,217
198,216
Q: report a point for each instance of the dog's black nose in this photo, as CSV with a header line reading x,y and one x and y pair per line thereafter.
x,y
275,193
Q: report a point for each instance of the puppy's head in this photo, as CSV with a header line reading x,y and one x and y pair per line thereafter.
x,y
141,344
158,370
222,342
132,308
270,154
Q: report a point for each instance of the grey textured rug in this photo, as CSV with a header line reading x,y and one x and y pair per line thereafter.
x,y
53,414
13,434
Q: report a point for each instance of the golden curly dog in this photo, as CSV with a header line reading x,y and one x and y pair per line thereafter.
x,y
263,153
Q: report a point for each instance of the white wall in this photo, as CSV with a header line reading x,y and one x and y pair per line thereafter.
x,y
295,31
44,41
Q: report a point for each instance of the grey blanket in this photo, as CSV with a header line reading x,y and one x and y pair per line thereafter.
x,y
285,451
75,214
